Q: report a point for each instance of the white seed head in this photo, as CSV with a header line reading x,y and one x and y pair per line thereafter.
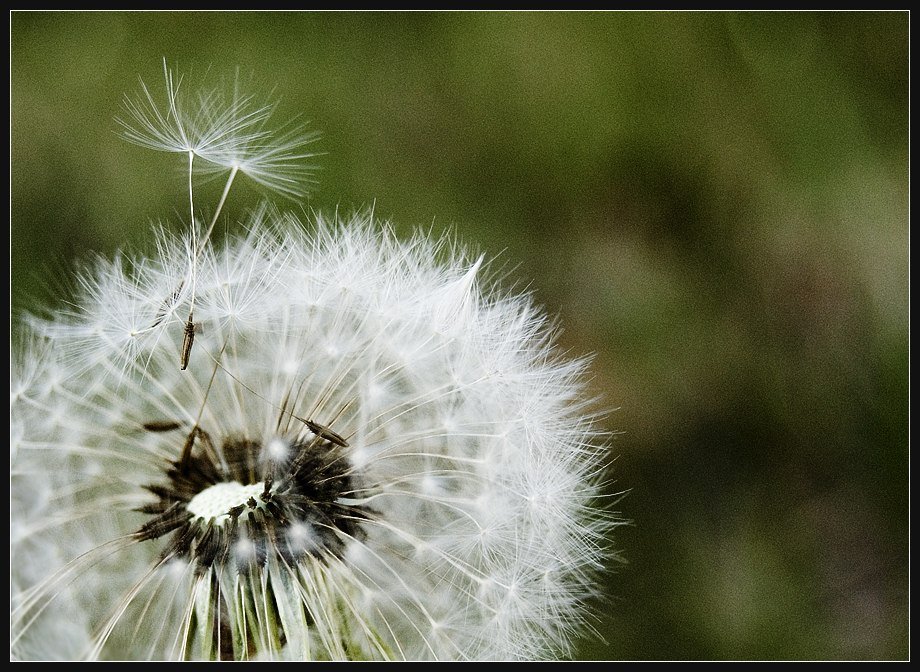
x,y
371,452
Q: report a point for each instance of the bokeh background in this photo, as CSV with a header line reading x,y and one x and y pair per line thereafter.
x,y
715,204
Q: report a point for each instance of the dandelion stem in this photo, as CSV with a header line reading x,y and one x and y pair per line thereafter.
x,y
191,198
190,322
220,205
196,430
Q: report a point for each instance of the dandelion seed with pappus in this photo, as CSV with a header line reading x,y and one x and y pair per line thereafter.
x,y
311,441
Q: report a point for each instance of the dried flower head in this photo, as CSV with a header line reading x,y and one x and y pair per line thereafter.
x,y
353,447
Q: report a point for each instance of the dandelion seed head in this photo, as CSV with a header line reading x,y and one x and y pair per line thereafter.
x,y
368,451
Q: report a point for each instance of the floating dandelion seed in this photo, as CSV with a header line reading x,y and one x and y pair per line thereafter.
x,y
370,453
225,132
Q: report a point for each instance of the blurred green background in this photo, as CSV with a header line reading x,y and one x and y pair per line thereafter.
x,y
715,204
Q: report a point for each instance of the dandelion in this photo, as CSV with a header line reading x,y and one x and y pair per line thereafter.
x,y
370,453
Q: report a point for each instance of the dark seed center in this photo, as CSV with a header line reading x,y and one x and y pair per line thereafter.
x,y
239,503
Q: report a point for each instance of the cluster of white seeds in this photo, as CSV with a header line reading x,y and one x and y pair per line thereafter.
x,y
313,441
